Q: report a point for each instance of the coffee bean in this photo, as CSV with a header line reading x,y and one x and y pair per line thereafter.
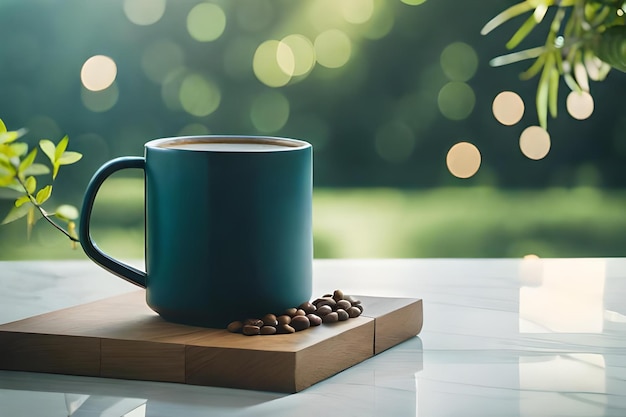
x,y
354,312
308,307
329,308
253,322
235,327
250,330
300,323
352,300
324,310
285,329
314,319
324,301
330,317
342,314
268,330
269,320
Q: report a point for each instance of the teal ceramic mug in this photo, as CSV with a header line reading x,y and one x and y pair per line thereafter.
x,y
228,223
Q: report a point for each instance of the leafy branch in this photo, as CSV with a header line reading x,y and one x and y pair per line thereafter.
x,y
18,170
586,38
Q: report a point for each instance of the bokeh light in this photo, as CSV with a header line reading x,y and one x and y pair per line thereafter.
x,y
413,2
332,48
269,111
199,96
580,105
206,22
100,101
160,58
356,11
382,21
144,12
98,72
323,15
534,142
456,100
463,160
459,61
394,142
266,67
508,108
296,55
285,58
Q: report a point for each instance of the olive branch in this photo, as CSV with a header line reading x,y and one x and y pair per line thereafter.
x,y
18,170
586,38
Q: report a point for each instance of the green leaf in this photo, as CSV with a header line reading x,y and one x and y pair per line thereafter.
x,y
31,184
553,92
6,168
511,12
66,212
44,194
7,137
21,201
28,161
522,32
61,147
36,169
15,185
543,90
18,149
48,148
517,56
16,213
8,193
3,127
55,169
69,157
534,68
571,82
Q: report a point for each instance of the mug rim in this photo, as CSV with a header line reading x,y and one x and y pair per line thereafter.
x,y
287,144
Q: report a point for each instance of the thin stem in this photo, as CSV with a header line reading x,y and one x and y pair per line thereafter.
x,y
44,213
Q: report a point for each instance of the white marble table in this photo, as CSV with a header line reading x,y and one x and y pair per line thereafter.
x,y
501,338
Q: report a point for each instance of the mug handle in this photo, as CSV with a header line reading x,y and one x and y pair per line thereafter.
x,y
114,266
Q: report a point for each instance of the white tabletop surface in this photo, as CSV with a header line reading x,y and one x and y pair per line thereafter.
x,y
506,337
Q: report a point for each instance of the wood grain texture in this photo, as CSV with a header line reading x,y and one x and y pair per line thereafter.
x,y
120,337
397,319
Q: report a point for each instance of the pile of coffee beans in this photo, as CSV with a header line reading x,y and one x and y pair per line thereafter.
x,y
330,308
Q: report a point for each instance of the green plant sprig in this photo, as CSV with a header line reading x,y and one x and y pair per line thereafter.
x,y
18,170
586,38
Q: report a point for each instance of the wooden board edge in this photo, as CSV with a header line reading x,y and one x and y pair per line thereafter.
x,y
346,349
399,325
240,368
142,360
34,352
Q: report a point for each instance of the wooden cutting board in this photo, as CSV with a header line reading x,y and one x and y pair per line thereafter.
x,y
120,337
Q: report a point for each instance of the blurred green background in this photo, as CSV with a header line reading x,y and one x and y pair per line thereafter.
x,y
383,89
